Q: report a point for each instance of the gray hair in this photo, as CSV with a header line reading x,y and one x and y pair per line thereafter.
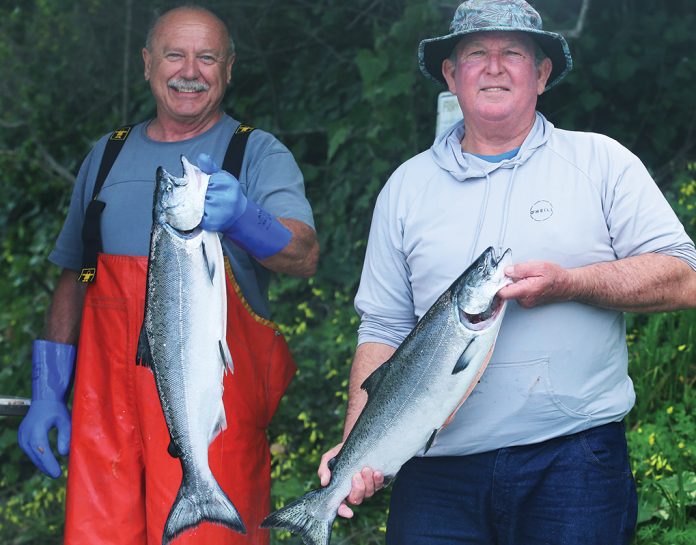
x,y
188,7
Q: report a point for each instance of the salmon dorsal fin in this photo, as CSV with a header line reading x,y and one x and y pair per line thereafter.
x,y
372,382
172,449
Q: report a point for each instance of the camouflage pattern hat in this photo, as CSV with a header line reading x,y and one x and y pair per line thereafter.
x,y
495,16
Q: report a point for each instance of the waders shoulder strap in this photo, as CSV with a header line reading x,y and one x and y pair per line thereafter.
x,y
235,150
91,228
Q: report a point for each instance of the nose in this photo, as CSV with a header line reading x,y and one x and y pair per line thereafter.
x,y
494,64
189,70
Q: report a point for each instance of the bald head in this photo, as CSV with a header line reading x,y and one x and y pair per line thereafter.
x,y
188,62
182,13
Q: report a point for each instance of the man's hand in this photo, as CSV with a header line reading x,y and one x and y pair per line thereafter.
x,y
228,211
224,200
537,283
52,369
33,432
364,484
643,283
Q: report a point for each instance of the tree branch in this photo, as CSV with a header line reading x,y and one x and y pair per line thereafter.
x,y
126,61
11,124
580,25
54,166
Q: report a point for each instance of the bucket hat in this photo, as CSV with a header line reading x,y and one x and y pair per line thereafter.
x,y
495,16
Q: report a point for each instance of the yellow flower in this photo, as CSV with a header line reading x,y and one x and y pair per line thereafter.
x,y
651,439
670,410
681,444
681,347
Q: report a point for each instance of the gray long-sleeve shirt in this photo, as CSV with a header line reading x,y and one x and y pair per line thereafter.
x,y
567,197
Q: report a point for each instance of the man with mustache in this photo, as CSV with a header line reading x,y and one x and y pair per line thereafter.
x,y
537,454
121,480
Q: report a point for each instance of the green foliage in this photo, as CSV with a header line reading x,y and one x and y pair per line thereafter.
x,y
338,82
663,461
632,76
662,430
32,512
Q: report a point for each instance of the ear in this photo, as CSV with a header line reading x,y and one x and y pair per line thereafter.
x,y
449,70
543,73
147,62
228,68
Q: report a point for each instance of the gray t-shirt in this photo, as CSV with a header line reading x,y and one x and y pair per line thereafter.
x,y
269,176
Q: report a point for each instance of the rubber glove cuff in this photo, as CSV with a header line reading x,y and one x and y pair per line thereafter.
x,y
228,211
52,366
258,232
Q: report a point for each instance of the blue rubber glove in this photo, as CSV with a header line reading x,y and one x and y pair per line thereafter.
x,y
228,211
51,371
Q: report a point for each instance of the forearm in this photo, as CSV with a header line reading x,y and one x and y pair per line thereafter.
x,y
368,357
645,283
300,256
63,321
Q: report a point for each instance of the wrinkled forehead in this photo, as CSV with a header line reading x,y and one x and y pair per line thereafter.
x,y
495,39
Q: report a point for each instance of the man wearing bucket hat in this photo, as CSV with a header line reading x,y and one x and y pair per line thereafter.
x,y
537,454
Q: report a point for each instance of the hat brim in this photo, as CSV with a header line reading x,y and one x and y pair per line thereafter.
x,y
433,51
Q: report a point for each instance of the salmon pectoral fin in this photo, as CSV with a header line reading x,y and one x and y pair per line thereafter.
x,y
143,356
464,359
226,356
209,262
474,382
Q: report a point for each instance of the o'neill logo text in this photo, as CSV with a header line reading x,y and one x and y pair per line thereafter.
x,y
541,211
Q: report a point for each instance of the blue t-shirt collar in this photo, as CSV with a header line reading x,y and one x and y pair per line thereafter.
x,y
499,157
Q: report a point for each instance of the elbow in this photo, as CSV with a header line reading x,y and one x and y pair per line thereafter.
x,y
311,261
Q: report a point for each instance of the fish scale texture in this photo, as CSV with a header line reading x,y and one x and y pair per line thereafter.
x,y
183,334
413,393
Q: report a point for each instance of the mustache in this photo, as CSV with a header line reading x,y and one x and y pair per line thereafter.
x,y
181,84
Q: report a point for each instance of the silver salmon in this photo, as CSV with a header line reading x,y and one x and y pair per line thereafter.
x,y
183,341
413,394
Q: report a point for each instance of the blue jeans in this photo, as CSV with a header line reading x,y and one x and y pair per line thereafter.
x,y
572,490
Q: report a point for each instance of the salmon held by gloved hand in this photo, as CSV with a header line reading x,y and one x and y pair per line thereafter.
x,y
413,394
183,341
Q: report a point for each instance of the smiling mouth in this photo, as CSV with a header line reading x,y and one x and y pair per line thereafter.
x,y
494,89
181,85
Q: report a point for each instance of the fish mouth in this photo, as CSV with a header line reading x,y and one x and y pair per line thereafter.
x,y
180,201
481,320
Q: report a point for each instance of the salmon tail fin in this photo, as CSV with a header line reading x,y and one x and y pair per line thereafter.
x,y
296,518
193,506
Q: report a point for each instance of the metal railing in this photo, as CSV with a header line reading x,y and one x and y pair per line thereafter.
x,y
14,406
